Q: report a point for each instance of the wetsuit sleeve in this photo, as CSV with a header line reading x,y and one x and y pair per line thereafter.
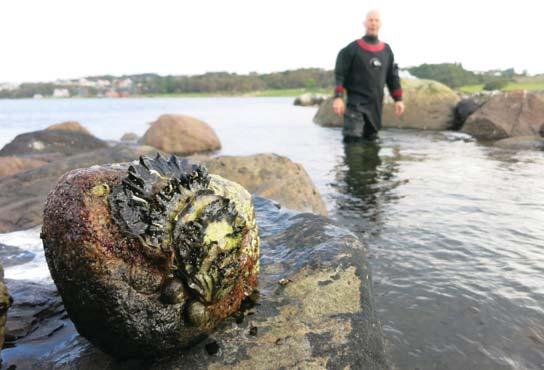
x,y
393,79
343,62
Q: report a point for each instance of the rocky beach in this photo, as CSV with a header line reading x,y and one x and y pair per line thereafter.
x,y
324,228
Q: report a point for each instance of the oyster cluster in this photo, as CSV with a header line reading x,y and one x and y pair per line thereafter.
x,y
181,218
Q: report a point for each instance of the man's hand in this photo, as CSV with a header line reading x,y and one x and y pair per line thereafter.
x,y
338,106
399,108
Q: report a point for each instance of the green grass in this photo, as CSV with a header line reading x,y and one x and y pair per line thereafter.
x,y
525,85
262,93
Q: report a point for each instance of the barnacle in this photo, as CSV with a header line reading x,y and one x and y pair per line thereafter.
x,y
202,225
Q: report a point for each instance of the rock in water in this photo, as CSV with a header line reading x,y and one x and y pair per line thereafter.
x,y
72,126
181,134
430,105
148,263
325,115
4,305
511,114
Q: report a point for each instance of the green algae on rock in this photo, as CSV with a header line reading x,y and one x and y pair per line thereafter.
x,y
148,263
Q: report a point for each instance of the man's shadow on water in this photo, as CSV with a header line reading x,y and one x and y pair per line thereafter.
x,y
363,180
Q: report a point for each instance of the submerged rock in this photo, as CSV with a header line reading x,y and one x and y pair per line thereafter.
x,y
180,134
148,263
323,317
511,114
271,176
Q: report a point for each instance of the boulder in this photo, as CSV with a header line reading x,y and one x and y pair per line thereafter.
x,y
150,257
271,176
464,109
4,306
326,117
430,105
521,142
309,99
52,141
23,195
11,165
129,136
511,114
314,310
72,126
180,134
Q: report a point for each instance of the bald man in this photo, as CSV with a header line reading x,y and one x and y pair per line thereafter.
x,y
362,70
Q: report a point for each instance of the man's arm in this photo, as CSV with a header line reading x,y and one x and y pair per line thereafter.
x,y
343,61
394,86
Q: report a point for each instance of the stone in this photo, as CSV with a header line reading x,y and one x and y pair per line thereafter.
x,y
323,318
181,134
11,165
22,196
72,126
5,302
271,176
130,136
511,114
52,141
521,143
430,105
326,117
464,109
149,257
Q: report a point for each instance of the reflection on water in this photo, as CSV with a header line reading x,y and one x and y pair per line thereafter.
x,y
455,236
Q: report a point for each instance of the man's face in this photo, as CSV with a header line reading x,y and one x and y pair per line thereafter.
x,y
373,23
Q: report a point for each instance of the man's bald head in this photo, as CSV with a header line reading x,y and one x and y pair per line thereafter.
x,y
373,23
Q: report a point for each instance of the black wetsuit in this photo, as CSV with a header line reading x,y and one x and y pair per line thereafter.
x,y
362,69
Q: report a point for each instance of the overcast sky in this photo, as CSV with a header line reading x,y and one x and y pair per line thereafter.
x,y
45,40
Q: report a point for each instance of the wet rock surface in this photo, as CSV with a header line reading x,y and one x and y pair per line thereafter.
x,y
52,141
271,176
22,196
322,316
150,258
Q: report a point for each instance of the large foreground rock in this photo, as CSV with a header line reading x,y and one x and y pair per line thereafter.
x,y
516,113
430,105
23,195
52,141
320,316
271,176
151,256
180,134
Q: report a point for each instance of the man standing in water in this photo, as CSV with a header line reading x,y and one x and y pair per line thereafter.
x,y
362,69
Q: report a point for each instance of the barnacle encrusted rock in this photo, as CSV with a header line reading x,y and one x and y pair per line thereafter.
x,y
148,262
